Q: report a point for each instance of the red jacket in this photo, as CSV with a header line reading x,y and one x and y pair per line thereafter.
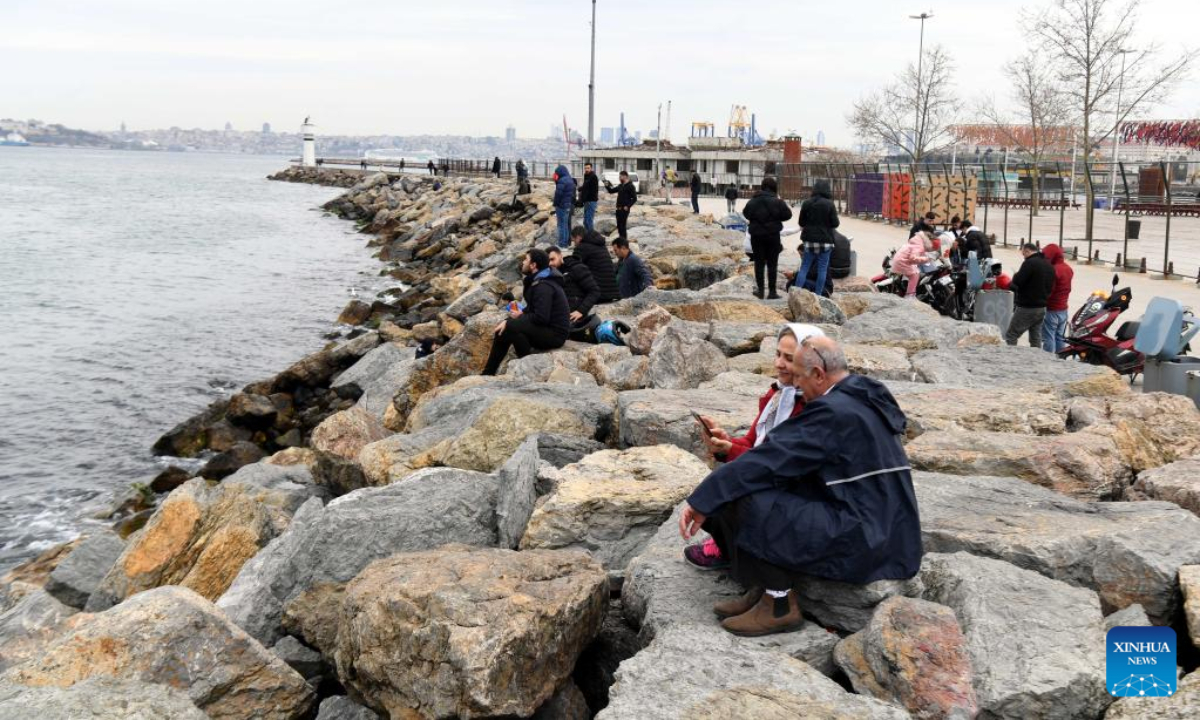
x,y
746,442
1060,296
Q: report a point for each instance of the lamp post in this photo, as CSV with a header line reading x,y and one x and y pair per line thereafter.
x,y
1112,189
920,67
592,84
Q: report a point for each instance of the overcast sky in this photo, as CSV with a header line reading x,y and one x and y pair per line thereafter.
x,y
472,67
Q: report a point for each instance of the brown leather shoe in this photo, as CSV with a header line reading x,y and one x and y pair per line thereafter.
x,y
768,616
738,605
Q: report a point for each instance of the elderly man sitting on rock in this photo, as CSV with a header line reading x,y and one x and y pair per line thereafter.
x,y
781,402
828,494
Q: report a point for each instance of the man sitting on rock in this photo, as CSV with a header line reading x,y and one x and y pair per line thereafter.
x,y
781,402
543,323
578,283
828,494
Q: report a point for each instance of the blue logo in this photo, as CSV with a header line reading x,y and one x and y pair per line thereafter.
x,y
1140,661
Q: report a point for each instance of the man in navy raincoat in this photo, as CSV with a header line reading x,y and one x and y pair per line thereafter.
x,y
829,494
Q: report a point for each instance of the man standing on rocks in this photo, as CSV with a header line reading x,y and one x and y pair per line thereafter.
x,y
589,196
432,168
1031,287
626,197
731,194
695,185
828,494
591,249
564,203
543,323
766,213
1054,327
632,275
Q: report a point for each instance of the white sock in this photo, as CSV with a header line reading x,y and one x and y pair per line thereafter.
x,y
778,593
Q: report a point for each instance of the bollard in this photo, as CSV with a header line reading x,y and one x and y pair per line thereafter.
x,y
1119,259
1075,258
1096,258
1142,269
1170,270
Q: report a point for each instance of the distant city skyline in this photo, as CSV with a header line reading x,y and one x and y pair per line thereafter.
x,y
474,67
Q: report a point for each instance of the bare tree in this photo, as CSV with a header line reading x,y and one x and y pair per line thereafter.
x,y
1086,40
887,116
1040,120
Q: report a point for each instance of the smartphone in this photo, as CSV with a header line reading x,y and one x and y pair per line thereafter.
x,y
707,429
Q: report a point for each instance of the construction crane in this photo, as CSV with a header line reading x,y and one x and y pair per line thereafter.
x,y
738,124
702,129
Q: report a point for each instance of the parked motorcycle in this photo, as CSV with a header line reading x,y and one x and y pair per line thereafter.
x,y
1087,334
936,285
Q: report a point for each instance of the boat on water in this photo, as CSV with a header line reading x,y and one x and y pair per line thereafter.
x,y
13,139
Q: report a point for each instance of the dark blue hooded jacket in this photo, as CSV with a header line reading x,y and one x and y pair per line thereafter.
x,y
830,490
564,188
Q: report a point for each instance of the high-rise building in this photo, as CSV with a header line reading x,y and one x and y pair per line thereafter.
x,y
510,134
266,129
228,126
821,138
608,136
556,132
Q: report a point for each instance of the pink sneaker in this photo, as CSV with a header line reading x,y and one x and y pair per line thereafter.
x,y
705,556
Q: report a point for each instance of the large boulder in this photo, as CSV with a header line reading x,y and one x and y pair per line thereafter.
x,y
692,672
32,574
1149,429
472,302
1084,465
330,544
655,417
739,338
1177,482
1036,644
678,361
645,328
522,479
612,501
340,707
31,624
1000,410
1129,553
172,636
912,654
463,632
201,535
1007,368
914,327
710,310
377,377
808,307
879,362
1189,583
397,456
78,575
344,434
98,699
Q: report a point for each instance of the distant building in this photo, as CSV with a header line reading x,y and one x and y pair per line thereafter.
x,y
654,134
608,136
510,134
266,129
122,127
637,135
821,138
228,126
556,132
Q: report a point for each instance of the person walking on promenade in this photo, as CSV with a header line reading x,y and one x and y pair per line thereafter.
x,y
401,164
695,184
432,168
818,220
589,196
1031,288
564,203
592,250
828,495
496,167
446,168
731,194
766,213
632,275
626,197
543,324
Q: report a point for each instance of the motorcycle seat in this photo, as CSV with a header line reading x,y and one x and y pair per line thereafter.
x,y
1128,330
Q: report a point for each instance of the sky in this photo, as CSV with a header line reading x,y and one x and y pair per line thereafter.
x,y
473,67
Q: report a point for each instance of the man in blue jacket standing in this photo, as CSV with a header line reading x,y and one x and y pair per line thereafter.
x,y
564,203
829,493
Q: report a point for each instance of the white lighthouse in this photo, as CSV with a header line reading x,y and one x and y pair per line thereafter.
x,y
310,144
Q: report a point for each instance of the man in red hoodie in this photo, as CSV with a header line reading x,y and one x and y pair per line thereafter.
x,y
1054,328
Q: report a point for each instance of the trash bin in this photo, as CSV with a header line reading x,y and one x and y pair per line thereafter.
x,y
1133,228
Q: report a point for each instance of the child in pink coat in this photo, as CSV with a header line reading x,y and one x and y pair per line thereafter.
x,y
909,258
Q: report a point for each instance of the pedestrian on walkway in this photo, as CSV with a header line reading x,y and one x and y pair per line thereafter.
x,y
731,195
818,219
564,203
626,198
589,196
695,184
496,167
1054,328
432,168
1031,287
766,213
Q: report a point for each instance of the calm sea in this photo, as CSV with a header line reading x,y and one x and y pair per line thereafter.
x,y
135,288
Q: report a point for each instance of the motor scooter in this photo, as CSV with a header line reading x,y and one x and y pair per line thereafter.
x,y
1087,334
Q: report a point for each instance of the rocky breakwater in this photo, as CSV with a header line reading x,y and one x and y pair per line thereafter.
x,y
403,538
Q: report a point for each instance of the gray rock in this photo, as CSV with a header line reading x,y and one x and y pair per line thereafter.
x,y
29,625
738,286
332,544
1132,616
567,703
537,367
808,307
288,486
517,492
1005,367
1183,705
735,338
1127,552
561,450
678,361
97,699
472,302
653,417
78,575
661,591
1177,482
699,275
849,607
1036,644
379,375
340,707
908,326
301,658
698,672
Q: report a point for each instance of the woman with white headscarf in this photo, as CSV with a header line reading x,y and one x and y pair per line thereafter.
x,y
779,403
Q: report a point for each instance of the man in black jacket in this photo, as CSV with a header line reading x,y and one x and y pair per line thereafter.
x,y
973,240
1031,287
543,323
925,224
818,228
766,213
626,197
695,185
578,284
592,250
496,167
731,194
589,195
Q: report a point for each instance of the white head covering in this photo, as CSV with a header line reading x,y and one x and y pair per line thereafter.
x,y
783,402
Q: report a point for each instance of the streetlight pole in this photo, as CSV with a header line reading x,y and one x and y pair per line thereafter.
x,y
1112,190
920,68
592,84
